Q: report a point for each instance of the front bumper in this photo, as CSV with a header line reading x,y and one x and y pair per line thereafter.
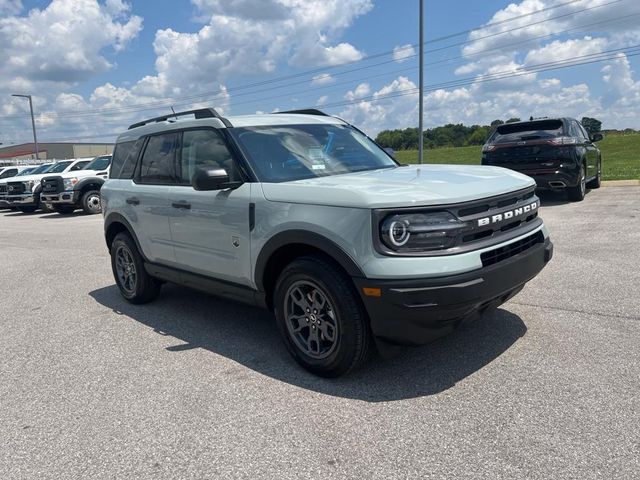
x,y
68,197
25,199
418,311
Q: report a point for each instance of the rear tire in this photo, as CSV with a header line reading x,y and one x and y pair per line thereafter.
x,y
91,202
596,182
133,281
321,318
577,193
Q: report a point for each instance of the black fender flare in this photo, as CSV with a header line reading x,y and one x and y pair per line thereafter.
x,y
302,237
113,218
97,181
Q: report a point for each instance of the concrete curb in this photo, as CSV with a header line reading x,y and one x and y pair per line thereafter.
x,y
620,183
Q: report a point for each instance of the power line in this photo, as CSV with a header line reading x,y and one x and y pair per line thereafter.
x,y
635,51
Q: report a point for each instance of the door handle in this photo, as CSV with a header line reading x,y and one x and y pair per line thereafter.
x,y
182,204
133,201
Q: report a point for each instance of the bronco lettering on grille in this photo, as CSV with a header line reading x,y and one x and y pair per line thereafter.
x,y
516,212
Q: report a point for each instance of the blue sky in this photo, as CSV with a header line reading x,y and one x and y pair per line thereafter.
x,y
96,66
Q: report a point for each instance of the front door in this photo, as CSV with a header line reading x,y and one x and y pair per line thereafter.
x,y
210,229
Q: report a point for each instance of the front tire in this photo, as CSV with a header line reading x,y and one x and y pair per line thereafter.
x,y
91,202
320,317
577,193
133,281
596,182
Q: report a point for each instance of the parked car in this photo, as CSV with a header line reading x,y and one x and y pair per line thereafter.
x,y
303,214
8,174
78,189
557,153
24,193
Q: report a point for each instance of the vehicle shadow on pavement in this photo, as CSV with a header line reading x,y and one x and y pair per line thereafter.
x,y
552,199
59,216
248,335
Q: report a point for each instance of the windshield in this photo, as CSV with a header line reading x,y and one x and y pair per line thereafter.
x,y
41,168
295,152
99,163
27,171
58,167
513,132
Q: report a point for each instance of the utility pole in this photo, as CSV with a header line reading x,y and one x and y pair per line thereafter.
x,y
33,122
421,94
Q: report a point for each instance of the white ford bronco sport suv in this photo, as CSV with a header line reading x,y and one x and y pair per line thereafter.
x,y
301,213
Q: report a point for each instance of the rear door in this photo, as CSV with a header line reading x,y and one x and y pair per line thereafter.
x,y
210,229
147,204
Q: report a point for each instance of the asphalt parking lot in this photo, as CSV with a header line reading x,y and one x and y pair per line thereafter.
x,y
196,387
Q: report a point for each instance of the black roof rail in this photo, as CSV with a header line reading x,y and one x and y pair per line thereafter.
x,y
199,113
308,111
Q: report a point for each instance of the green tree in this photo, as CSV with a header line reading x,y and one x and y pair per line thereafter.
x,y
591,125
497,122
513,120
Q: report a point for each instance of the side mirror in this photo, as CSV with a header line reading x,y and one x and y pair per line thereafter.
x,y
596,137
210,179
391,152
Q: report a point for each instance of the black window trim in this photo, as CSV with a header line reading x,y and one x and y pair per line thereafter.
x,y
136,172
245,177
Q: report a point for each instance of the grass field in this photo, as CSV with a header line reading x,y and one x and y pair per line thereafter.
x,y
620,156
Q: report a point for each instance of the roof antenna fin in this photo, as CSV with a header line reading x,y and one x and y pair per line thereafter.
x,y
174,112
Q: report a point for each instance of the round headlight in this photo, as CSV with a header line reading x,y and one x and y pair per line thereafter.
x,y
399,232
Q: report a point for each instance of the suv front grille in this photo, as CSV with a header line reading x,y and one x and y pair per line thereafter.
x,y
3,189
499,254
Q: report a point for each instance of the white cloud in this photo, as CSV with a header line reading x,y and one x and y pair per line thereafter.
x,y
10,7
403,52
61,44
322,79
559,50
322,100
362,90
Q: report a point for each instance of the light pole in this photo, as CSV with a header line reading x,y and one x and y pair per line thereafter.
x,y
33,122
421,94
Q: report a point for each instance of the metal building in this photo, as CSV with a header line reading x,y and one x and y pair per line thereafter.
x,y
25,152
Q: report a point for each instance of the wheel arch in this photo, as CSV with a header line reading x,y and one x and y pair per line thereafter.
x,y
113,225
286,246
87,184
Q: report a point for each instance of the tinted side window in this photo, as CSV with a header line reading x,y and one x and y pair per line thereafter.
x,y
576,131
123,163
202,149
78,166
157,164
584,132
11,172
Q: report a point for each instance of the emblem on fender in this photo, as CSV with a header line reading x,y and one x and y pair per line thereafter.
x,y
516,212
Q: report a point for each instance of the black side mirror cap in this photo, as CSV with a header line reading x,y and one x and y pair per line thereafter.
x,y
596,137
212,179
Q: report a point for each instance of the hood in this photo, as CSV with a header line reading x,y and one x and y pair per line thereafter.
x,y
26,178
401,187
82,174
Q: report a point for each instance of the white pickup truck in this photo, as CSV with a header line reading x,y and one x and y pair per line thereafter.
x,y
80,189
